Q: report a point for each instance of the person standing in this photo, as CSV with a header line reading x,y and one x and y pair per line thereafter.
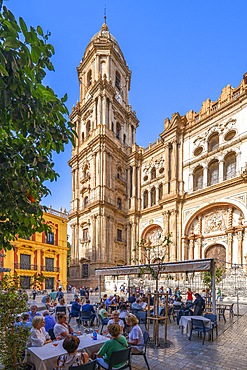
x,y
189,296
34,293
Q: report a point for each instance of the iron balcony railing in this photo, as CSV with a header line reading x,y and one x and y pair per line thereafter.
x,y
50,269
23,266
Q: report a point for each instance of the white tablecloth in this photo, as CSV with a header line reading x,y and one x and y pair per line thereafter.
x,y
45,357
185,322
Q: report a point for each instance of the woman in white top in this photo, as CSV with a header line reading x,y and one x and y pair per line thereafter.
x,y
116,320
38,335
135,338
62,328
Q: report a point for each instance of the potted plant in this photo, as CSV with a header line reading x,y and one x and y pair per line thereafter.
x,y
13,302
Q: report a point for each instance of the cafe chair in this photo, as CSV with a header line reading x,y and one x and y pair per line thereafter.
x,y
146,338
60,309
199,326
102,324
213,318
51,333
85,318
89,366
142,317
118,357
221,313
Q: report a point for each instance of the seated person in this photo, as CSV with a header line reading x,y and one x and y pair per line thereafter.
x,y
50,321
123,311
87,307
116,320
117,343
104,314
38,335
72,358
132,298
135,338
137,305
24,321
75,308
33,312
198,304
62,328
108,301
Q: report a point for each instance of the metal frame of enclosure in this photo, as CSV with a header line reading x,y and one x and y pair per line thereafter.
x,y
201,265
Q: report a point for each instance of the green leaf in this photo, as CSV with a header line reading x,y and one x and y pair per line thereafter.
x,y
3,70
23,26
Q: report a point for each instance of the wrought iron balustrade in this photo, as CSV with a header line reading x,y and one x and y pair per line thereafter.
x,y
23,266
50,269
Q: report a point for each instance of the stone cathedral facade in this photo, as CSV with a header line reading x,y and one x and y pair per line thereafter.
x,y
192,182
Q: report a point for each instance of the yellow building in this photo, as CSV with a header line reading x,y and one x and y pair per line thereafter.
x,y
41,254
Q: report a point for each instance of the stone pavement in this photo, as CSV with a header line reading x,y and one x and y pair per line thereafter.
x,y
227,352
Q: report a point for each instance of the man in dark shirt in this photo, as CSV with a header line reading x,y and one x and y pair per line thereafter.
x,y
75,308
87,307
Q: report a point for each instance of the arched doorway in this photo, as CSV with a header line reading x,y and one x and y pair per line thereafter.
x,y
218,252
152,241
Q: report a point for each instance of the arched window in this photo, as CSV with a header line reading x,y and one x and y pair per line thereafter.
x,y
112,126
153,173
82,137
88,128
119,203
160,191
118,130
213,142
230,166
103,68
86,202
213,173
153,196
89,78
118,80
198,178
145,199
124,139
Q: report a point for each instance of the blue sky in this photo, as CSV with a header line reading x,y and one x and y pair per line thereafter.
x,y
180,52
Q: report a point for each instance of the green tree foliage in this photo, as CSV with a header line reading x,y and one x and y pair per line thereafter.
x,y
219,274
12,339
160,253
33,126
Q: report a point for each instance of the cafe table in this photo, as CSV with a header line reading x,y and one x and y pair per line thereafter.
x,y
185,323
45,357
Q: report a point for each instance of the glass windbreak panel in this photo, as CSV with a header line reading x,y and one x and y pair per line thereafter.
x,y
49,283
25,282
49,264
25,261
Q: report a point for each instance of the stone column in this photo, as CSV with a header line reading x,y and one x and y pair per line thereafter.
x,y
104,111
165,222
230,243
221,170
99,111
205,175
173,228
185,248
191,246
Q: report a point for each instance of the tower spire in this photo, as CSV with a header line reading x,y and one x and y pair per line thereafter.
x,y
105,14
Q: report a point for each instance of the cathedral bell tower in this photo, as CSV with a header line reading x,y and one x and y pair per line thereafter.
x,y
100,164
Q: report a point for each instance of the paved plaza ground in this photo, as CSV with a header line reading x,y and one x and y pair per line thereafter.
x,y
227,352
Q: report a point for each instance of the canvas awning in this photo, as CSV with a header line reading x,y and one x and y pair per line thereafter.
x,y
169,267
